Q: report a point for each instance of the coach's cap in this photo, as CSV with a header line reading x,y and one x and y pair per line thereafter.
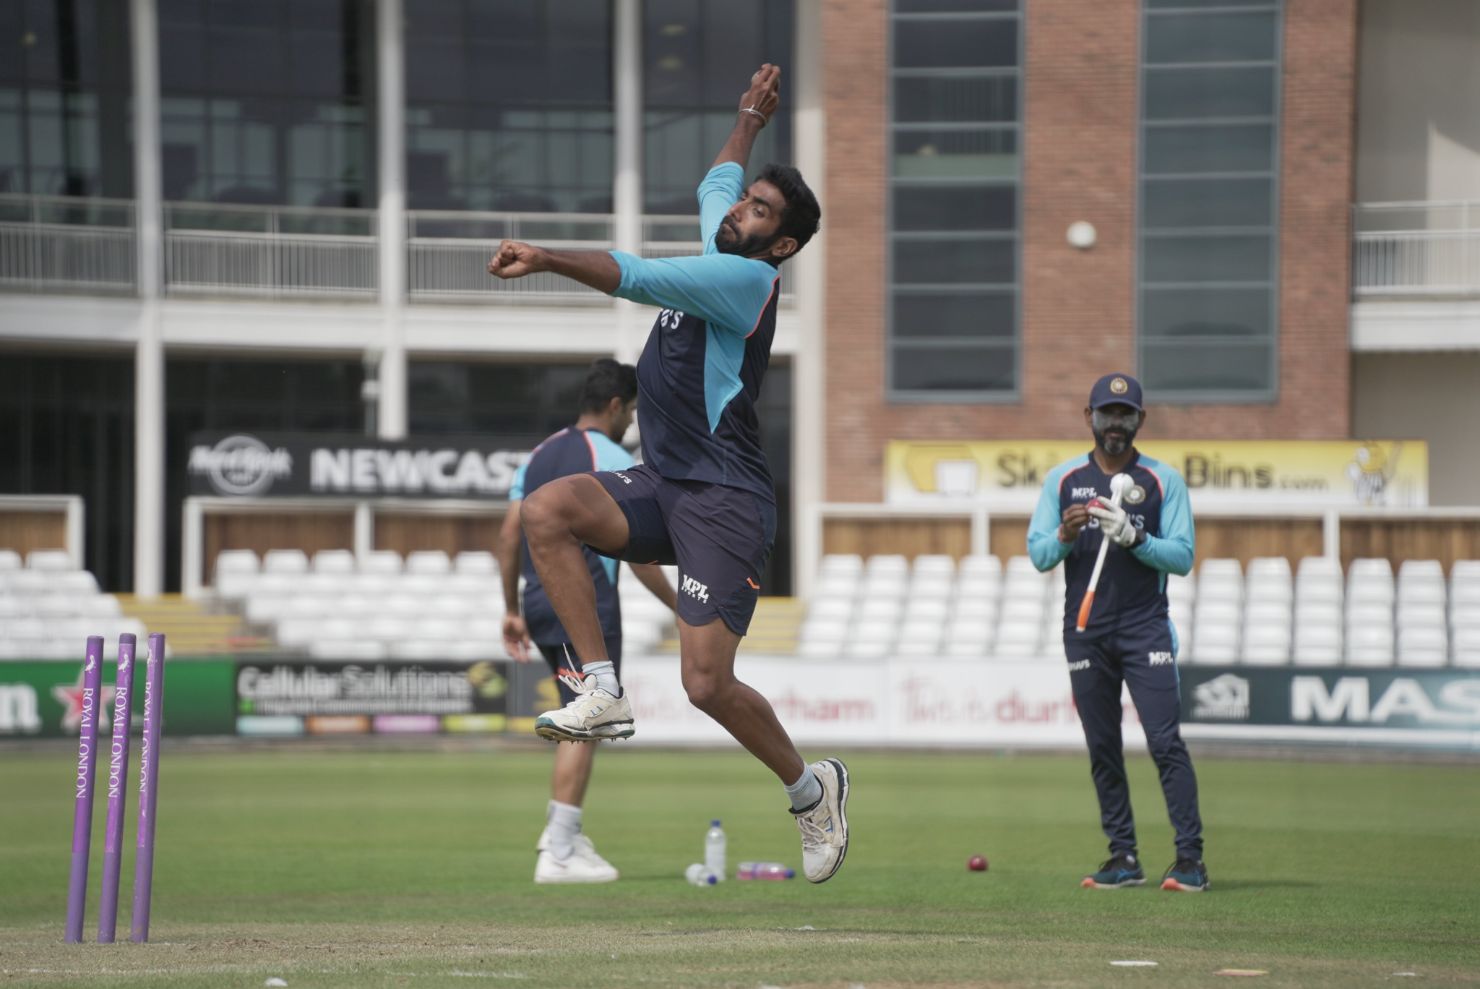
x,y
1116,389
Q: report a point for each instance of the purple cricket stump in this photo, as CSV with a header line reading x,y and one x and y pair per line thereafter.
x,y
148,787
87,756
123,709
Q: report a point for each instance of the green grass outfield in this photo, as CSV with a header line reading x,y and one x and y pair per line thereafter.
x,y
411,867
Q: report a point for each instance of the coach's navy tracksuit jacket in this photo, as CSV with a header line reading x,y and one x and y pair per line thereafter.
x,y
1129,637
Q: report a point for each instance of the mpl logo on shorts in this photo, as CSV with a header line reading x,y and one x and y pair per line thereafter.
x,y
240,466
1160,658
1223,698
694,589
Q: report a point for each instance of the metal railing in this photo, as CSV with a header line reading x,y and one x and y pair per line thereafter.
x,y
1416,249
448,253
64,243
272,251
71,244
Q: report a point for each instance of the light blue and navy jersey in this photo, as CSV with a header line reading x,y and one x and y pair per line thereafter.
x,y
700,374
570,451
1132,588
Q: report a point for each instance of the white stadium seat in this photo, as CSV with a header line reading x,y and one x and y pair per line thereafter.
x,y
333,561
1268,568
979,565
887,607
1319,588
934,563
840,609
1370,566
475,561
1221,568
1181,588
1215,642
887,563
1424,645
934,609
290,561
820,649
840,563
1465,646
50,560
920,638
1022,609
977,634
1217,612
982,586
381,561
984,608
931,586
1018,638
1317,644
1266,644
432,562
1369,645
1319,566
359,650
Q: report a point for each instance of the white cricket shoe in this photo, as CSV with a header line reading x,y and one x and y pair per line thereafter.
x,y
591,717
824,826
583,866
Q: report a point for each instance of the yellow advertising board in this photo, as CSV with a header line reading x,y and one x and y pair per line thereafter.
x,y
1253,473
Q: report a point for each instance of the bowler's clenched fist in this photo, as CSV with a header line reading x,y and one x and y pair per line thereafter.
x,y
515,259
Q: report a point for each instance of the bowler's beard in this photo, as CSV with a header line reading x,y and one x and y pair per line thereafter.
x,y
747,247
1114,446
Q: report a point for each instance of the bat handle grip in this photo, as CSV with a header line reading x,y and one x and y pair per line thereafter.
x,y
1085,607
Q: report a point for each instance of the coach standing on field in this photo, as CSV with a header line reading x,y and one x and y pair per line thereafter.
x,y
1129,638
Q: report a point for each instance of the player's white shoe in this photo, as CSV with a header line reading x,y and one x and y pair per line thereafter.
x,y
591,717
583,866
824,827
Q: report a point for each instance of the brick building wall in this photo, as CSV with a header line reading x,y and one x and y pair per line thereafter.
x,y
1078,307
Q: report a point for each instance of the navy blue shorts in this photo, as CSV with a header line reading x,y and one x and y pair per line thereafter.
x,y
719,536
561,656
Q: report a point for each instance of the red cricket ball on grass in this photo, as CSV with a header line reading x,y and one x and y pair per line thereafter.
x,y
977,863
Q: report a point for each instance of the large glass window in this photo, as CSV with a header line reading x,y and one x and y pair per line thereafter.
x,y
288,395
698,56
65,79
513,403
1208,299
67,427
953,199
509,105
268,101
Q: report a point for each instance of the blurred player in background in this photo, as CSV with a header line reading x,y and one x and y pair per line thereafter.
x,y
703,497
1129,638
608,403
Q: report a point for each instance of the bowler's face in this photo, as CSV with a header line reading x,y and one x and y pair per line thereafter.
x,y
750,226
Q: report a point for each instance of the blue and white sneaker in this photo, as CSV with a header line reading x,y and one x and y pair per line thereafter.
x,y
593,716
1186,876
1117,871
824,825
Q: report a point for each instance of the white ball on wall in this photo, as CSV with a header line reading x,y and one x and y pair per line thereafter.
x,y
1081,234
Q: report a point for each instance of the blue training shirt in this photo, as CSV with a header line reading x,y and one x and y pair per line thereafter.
x,y
701,371
570,451
1132,588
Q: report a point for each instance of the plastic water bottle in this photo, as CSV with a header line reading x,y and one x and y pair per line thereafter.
x,y
699,875
764,870
714,849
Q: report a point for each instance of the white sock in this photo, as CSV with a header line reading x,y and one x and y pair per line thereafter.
x,y
563,824
605,672
806,791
